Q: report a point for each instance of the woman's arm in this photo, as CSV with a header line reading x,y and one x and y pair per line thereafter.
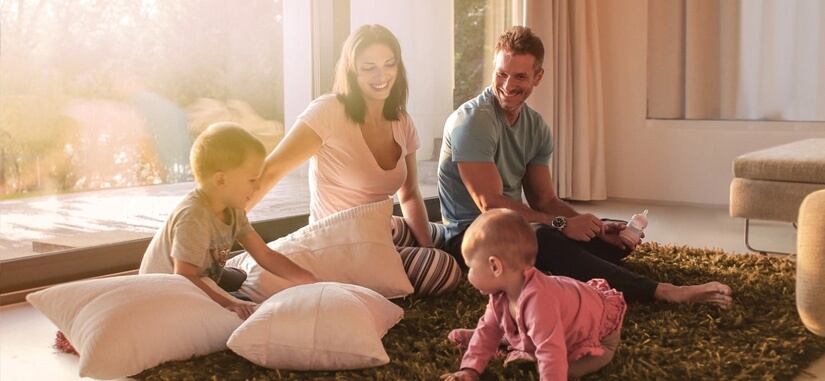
x,y
300,144
412,204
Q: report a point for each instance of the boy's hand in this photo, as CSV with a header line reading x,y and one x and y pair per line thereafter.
x,y
243,308
311,278
461,375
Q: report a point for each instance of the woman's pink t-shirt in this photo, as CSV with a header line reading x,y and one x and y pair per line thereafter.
x,y
344,173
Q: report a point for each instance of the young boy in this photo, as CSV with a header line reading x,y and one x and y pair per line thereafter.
x,y
197,237
569,327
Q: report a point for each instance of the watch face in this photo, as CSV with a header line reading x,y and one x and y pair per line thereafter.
x,y
559,222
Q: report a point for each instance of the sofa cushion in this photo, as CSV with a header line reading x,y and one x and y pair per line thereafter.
x,y
802,161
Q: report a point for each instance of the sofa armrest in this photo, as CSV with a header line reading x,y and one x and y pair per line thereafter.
x,y
810,265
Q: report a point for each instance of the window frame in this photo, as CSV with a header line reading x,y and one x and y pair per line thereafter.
x,y
29,274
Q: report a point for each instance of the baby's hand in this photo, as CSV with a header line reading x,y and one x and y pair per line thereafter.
x,y
461,375
243,308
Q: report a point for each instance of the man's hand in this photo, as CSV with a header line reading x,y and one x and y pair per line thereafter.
x,y
243,308
611,235
583,227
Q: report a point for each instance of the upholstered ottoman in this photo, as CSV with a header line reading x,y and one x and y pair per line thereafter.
x,y
770,184
810,263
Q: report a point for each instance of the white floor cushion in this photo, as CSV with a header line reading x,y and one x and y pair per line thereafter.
x,y
123,325
352,246
321,326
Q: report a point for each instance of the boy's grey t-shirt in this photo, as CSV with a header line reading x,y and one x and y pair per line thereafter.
x,y
477,132
193,234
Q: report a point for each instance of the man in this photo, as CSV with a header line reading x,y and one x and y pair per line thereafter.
x,y
495,147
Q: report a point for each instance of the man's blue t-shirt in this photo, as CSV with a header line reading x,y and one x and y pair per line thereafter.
x,y
477,132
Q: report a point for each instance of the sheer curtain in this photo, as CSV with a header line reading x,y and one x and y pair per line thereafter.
x,y
570,95
735,59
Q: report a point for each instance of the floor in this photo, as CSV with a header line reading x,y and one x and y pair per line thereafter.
x,y
26,335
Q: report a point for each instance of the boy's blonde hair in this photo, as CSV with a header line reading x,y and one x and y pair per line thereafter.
x,y
221,147
504,233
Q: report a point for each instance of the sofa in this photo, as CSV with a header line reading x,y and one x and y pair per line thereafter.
x,y
770,184
810,263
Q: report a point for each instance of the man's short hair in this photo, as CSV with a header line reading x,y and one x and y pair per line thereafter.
x,y
521,40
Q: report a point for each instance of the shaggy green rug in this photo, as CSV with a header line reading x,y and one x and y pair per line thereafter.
x,y
761,337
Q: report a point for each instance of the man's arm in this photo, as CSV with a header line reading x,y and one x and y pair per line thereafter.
x,y
485,186
541,194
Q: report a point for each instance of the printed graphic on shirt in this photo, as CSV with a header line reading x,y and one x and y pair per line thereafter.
x,y
219,251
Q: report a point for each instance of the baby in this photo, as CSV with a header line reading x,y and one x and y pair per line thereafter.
x,y
568,327
197,237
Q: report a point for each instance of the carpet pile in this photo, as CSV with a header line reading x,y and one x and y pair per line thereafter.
x,y
759,338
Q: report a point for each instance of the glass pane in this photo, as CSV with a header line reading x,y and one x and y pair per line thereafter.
x,y
477,27
101,99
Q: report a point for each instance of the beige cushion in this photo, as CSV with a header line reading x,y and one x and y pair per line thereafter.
x,y
320,326
768,200
810,264
352,246
802,161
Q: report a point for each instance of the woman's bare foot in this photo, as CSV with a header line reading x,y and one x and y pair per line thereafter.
x,y
711,292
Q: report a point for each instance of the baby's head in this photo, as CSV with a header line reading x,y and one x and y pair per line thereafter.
x,y
502,233
228,158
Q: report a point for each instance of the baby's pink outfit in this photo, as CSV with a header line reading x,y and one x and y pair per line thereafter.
x,y
559,320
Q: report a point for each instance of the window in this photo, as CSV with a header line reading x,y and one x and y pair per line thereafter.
x,y
733,59
108,95
100,99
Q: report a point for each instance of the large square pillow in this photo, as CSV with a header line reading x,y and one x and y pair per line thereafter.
x,y
320,326
352,246
123,325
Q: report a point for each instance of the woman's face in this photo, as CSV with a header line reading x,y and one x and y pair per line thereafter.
x,y
376,68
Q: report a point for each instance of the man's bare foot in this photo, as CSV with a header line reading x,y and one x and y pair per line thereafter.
x,y
711,292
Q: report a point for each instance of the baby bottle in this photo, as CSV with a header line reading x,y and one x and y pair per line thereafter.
x,y
634,229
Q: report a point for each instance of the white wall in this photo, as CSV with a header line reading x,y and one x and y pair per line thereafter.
x,y
687,162
297,56
425,30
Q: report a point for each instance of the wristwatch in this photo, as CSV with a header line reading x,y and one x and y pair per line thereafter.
x,y
559,223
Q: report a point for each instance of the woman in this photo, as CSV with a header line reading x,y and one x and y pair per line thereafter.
x,y
361,145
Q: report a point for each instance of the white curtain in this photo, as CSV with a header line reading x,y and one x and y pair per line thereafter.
x,y
570,95
782,56
735,59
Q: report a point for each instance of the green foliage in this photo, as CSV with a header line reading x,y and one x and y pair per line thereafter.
x,y
469,53
56,52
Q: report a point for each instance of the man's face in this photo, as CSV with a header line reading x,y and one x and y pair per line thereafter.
x,y
514,78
